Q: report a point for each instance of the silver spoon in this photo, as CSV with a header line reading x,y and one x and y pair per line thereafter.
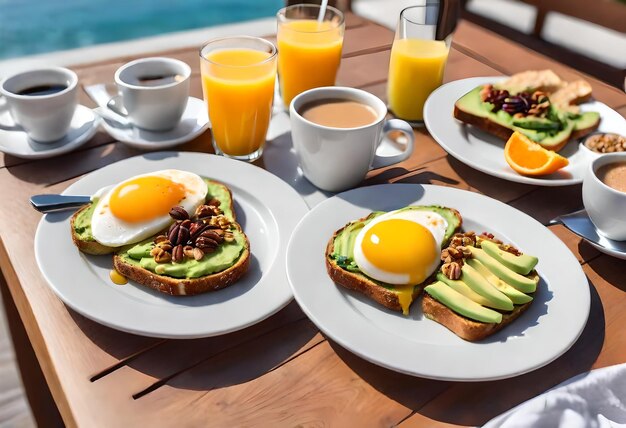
x,y
50,203
580,223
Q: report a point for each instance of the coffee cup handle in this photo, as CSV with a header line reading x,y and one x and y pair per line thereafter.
x,y
400,126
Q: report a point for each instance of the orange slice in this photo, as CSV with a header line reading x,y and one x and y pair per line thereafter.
x,y
528,158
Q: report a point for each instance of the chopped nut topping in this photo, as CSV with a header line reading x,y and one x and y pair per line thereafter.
x,y
452,270
193,237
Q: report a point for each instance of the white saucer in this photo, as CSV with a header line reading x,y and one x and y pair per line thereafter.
x,y
16,142
194,122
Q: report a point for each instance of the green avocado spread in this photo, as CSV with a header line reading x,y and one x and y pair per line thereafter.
x,y
82,223
343,251
224,257
139,254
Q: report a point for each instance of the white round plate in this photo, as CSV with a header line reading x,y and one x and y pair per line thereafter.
x,y
418,346
485,152
194,122
16,142
267,208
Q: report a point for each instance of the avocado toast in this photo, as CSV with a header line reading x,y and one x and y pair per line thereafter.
x,y
537,104
201,251
342,268
482,286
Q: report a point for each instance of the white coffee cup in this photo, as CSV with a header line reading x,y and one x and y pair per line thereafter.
x,y
157,107
336,159
606,206
45,118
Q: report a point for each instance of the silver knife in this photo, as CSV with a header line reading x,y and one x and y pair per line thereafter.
x,y
580,223
49,203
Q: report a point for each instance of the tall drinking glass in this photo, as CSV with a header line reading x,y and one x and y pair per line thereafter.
x,y
417,62
310,49
238,75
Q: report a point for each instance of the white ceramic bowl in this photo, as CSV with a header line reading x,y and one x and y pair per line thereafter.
x,y
606,206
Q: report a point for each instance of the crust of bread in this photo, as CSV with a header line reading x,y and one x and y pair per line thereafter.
x,y
463,327
483,123
88,247
186,286
361,283
579,133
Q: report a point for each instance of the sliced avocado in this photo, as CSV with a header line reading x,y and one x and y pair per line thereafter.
x,y
521,264
516,296
480,285
587,120
522,283
463,288
343,252
537,123
548,139
450,216
461,304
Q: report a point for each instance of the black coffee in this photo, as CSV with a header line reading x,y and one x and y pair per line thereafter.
x,y
42,90
159,80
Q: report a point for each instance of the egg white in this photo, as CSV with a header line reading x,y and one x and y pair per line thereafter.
x,y
114,232
432,221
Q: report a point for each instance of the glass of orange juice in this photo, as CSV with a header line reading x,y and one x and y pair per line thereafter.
x,y
238,75
417,62
310,48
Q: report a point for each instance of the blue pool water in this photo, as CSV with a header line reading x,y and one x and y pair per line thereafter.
x,y
36,26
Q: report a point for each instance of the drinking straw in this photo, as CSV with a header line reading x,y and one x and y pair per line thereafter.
x,y
320,17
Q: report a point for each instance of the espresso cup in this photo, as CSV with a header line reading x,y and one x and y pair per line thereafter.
x,y
605,205
336,159
42,101
154,92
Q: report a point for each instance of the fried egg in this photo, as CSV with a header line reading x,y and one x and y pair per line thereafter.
x,y
401,247
139,207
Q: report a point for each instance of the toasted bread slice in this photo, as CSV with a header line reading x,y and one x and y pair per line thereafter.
x,y
463,327
569,96
532,80
386,294
185,286
88,246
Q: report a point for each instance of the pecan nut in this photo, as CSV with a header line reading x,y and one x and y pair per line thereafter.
x,y
198,254
196,229
179,213
452,270
179,235
177,254
205,243
212,234
160,255
188,251
204,211
214,202
160,238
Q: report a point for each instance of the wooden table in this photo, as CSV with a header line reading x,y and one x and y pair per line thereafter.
x,y
283,371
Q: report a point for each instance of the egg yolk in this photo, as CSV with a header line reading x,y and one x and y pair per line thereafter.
x,y
402,247
145,198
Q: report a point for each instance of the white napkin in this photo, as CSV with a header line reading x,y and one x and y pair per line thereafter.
x,y
593,399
